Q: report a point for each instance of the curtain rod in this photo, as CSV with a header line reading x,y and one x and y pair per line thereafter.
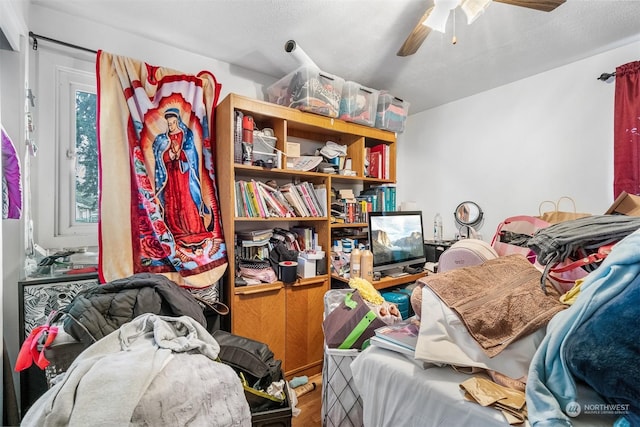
x,y
38,36
606,76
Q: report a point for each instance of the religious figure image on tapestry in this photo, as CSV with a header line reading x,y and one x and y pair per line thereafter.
x,y
187,232
159,208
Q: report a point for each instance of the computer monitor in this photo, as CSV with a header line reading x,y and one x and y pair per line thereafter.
x,y
396,240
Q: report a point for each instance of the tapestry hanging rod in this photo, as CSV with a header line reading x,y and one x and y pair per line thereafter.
x,y
606,76
38,36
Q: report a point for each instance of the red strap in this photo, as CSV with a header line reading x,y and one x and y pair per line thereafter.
x,y
24,359
29,352
603,252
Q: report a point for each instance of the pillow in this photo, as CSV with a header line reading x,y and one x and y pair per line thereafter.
x,y
444,339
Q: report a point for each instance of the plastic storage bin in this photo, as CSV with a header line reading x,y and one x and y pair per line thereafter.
x,y
264,148
391,113
359,104
308,89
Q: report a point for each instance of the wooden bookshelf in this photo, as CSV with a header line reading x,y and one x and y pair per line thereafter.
x,y
287,317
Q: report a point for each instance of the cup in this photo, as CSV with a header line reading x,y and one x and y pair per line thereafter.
x,y
288,271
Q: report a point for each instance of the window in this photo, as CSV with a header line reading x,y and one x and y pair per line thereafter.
x,y
85,197
65,168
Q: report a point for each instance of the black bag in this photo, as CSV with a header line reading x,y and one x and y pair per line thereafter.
x,y
280,253
256,366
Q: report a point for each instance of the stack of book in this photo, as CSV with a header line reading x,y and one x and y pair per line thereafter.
x,y
379,161
401,337
255,199
381,197
254,243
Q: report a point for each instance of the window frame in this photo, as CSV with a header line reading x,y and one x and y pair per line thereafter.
x,y
59,72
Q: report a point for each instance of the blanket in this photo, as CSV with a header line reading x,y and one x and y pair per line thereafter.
x,y
159,210
106,385
499,301
603,353
551,389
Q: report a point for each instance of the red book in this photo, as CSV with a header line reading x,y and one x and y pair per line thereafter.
x,y
381,151
375,165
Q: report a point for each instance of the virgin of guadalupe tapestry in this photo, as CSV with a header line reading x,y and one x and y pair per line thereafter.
x,y
159,210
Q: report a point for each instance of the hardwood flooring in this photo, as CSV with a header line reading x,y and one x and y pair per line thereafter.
x,y
310,405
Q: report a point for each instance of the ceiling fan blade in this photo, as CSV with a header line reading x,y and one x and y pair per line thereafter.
x,y
543,5
416,37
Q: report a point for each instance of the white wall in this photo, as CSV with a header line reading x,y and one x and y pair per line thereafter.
x,y
510,148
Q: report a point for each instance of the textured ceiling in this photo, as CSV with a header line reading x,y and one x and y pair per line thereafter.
x,y
358,39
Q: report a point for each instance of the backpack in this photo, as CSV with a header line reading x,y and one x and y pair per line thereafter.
x,y
256,366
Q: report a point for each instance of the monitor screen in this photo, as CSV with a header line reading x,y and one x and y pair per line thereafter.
x,y
396,240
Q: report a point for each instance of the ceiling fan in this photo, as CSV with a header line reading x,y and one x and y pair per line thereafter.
x,y
435,18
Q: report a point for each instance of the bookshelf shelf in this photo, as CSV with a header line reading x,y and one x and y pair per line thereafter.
x,y
288,317
281,219
349,225
387,282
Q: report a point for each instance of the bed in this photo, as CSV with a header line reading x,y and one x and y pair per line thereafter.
x,y
424,390
397,390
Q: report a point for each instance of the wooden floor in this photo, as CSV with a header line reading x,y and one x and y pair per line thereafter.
x,y
310,405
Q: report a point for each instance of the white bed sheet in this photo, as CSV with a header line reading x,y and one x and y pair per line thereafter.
x,y
397,391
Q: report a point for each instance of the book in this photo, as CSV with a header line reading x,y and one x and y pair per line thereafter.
x,y
404,333
272,206
383,150
253,200
262,207
375,165
303,190
246,203
237,137
291,194
255,235
311,189
379,342
321,194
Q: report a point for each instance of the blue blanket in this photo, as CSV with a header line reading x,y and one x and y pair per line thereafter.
x,y
551,388
603,351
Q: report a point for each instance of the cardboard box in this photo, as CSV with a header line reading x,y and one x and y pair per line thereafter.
x,y
293,149
306,267
625,204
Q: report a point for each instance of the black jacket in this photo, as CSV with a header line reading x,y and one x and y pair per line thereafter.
x,y
100,310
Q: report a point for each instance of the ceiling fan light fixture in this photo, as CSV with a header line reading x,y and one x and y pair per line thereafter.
x,y
437,19
474,8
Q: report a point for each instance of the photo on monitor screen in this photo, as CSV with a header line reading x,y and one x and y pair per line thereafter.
x,y
396,239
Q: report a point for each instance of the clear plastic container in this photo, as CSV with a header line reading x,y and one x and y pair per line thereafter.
x,y
308,89
392,112
359,104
